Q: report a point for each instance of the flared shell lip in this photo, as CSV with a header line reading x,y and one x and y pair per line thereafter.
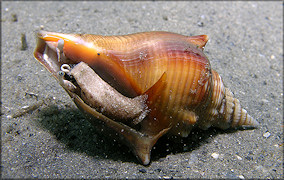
x,y
39,52
43,53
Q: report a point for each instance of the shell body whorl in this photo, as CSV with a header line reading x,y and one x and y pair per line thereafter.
x,y
168,69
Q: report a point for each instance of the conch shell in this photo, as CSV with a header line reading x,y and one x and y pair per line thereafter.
x,y
142,85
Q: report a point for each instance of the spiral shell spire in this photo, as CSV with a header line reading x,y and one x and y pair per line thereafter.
x,y
224,110
234,114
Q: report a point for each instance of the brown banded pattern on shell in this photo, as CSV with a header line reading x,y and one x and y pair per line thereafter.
x,y
169,69
186,80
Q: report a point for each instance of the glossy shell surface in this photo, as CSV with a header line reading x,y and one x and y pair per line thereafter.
x,y
166,72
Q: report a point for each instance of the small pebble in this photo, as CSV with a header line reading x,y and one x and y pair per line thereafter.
x,y
14,17
266,135
241,177
215,155
166,177
239,158
200,24
25,107
142,170
249,158
19,78
272,57
24,42
165,18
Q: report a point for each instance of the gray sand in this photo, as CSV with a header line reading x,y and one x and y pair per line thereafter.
x,y
55,140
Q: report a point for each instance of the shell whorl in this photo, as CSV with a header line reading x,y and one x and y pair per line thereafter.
x,y
224,110
234,114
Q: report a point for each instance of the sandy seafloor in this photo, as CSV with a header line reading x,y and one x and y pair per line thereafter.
x,y
55,140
